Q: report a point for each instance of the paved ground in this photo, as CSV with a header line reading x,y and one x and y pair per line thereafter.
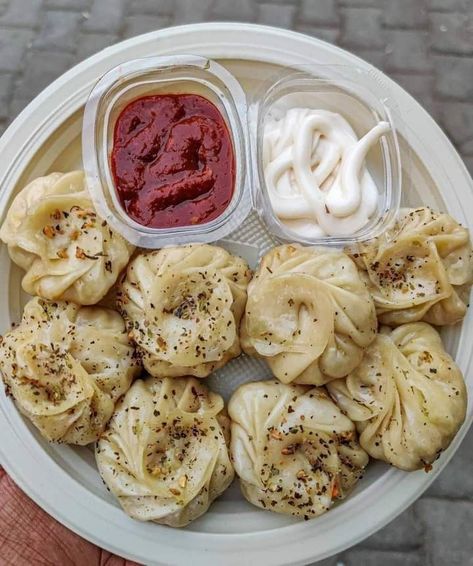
x,y
426,45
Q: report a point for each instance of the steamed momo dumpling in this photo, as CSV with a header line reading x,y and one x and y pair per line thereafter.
x,y
308,314
66,366
293,449
183,306
54,234
420,269
407,397
164,454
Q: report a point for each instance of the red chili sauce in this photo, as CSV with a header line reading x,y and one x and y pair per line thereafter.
x,y
172,160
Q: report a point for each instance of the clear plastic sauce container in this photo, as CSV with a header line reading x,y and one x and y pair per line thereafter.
x,y
149,80
328,133
309,131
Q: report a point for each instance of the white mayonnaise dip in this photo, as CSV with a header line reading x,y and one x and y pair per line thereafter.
x,y
315,172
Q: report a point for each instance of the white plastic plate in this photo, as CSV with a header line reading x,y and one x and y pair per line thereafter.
x,y
63,480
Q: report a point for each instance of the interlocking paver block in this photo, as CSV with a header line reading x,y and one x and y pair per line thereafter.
x,y
456,481
6,85
374,56
59,31
75,5
41,69
404,533
13,45
449,524
411,52
469,166
361,27
454,77
106,16
452,32
21,13
359,3
90,43
366,557
3,6
326,34
467,149
243,10
451,5
419,85
143,23
281,15
405,13
319,12
153,7
187,11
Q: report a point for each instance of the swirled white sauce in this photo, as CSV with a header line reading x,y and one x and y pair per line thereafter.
x,y
314,167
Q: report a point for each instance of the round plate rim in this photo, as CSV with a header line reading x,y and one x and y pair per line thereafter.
x,y
20,453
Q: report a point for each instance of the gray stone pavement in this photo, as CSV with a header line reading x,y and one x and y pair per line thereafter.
x,y
425,45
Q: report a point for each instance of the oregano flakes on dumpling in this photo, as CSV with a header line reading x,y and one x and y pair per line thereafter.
x,y
419,269
407,397
54,234
164,454
292,448
308,314
66,366
183,306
